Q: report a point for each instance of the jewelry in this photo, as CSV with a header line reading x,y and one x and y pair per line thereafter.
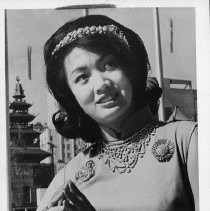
x,y
163,150
122,155
91,30
86,172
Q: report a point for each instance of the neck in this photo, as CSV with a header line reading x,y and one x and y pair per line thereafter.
x,y
132,123
117,125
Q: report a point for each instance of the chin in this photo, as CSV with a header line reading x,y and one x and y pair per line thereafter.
x,y
110,116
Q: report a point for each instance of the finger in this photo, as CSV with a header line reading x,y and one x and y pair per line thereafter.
x,y
84,202
69,206
77,192
60,202
72,198
57,208
55,199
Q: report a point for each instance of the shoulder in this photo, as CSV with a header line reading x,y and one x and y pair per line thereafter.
x,y
182,133
180,129
179,126
60,180
69,171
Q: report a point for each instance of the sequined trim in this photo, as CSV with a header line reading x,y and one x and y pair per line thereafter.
x,y
123,155
163,150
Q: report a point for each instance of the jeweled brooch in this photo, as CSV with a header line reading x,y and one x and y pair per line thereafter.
x,y
86,172
163,150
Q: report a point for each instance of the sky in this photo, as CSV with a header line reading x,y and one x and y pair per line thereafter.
x,y
34,27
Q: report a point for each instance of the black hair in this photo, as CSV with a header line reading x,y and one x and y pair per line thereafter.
x,y
71,121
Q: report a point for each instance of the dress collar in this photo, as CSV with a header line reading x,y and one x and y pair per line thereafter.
x,y
136,121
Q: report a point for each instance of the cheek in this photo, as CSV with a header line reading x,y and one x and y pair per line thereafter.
x,y
127,92
83,95
125,86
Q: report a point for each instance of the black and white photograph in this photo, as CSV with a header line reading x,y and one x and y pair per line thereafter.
x,y
103,108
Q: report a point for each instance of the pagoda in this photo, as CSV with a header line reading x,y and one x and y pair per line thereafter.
x,y
25,153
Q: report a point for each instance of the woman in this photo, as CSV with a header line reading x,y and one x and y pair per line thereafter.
x,y
97,71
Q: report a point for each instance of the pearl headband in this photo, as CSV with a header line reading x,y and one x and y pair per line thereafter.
x,y
91,30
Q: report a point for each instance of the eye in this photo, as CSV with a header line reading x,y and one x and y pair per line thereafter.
x,y
82,78
110,65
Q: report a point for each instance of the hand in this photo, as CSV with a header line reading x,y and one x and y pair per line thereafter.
x,y
62,205
75,200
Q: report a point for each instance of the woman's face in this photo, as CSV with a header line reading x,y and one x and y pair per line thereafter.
x,y
99,84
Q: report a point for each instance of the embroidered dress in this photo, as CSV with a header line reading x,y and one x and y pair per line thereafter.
x,y
157,180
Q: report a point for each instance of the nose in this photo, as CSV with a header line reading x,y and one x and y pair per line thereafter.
x,y
101,83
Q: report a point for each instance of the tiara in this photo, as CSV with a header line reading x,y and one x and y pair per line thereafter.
x,y
91,30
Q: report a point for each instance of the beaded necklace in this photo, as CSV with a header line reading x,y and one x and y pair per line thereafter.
x,y
122,155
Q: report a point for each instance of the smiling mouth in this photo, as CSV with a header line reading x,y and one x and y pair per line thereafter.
x,y
106,100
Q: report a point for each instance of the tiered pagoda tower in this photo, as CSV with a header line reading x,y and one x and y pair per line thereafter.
x,y
25,154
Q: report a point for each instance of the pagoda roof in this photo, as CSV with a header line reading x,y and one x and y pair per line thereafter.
x,y
27,134
24,131
21,117
31,150
31,153
19,105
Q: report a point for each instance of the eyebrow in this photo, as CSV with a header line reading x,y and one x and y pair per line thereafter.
x,y
79,69
84,68
103,57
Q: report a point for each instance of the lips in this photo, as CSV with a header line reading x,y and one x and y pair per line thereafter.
x,y
107,99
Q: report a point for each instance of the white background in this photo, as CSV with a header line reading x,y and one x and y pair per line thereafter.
x,y
203,76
